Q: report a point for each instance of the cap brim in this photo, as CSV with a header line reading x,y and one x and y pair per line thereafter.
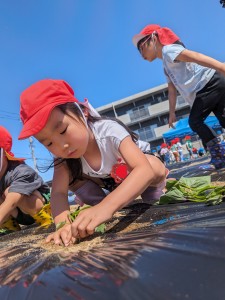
x,y
36,122
10,157
137,38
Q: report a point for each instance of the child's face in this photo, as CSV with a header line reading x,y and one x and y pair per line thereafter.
x,y
64,136
148,49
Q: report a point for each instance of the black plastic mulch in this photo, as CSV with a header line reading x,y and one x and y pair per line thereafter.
x,y
178,254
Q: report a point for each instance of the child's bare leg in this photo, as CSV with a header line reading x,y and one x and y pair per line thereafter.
x,y
159,169
157,188
14,212
29,204
32,204
89,193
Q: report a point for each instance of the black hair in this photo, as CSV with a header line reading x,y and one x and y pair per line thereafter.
x,y
74,164
179,43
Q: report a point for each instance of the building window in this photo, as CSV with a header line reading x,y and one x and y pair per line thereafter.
x,y
144,102
146,133
157,98
138,113
165,121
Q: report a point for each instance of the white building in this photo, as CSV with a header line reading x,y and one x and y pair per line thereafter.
x,y
146,113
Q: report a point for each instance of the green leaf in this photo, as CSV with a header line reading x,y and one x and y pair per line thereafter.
x,y
172,196
195,182
101,228
72,216
170,184
195,189
60,225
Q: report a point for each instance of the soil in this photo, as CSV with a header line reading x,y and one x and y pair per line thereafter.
x,y
36,236
127,220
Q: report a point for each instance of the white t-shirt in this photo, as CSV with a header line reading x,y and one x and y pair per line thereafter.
x,y
163,151
108,134
188,78
179,146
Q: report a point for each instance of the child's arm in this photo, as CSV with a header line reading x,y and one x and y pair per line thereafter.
x,y
172,95
142,174
59,202
59,194
201,59
11,201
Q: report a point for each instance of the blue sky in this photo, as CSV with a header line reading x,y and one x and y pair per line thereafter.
x,y
88,43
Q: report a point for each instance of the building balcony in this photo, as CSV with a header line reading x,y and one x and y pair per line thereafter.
x,y
150,111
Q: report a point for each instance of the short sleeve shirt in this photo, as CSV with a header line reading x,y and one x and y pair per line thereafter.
x,y
179,146
188,78
21,178
189,145
109,134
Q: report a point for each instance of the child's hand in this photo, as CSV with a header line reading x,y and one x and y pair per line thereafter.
x,y
172,119
59,237
87,220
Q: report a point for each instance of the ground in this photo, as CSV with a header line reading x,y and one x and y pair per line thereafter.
x,y
130,223
24,255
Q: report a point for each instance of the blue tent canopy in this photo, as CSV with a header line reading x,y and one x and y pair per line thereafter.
x,y
182,128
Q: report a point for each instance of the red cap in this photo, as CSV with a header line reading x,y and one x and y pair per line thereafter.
x,y
163,145
166,35
37,102
173,142
6,144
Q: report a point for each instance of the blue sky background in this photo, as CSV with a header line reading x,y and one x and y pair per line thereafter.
x,y
88,43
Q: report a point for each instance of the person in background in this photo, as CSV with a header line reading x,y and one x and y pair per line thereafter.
x,y
189,146
195,152
198,78
179,149
164,152
23,194
171,156
91,153
201,152
174,149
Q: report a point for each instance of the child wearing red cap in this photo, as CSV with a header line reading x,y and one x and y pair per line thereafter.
x,y
179,149
198,78
23,194
174,149
189,146
91,153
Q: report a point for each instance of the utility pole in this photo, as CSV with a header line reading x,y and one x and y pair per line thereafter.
x,y
32,153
